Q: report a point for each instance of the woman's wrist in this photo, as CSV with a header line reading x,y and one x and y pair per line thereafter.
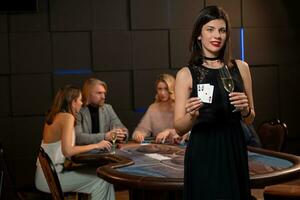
x,y
191,116
246,113
96,146
172,132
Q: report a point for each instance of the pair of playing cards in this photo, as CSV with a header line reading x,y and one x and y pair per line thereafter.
x,y
205,92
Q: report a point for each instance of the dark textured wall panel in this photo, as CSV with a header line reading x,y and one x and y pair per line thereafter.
x,y
31,94
60,81
129,118
149,14
183,13
112,50
31,22
289,97
70,15
71,50
119,86
110,14
262,45
24,171
119,93
235,39
5,96
268,13
179,47
6,137
4,54
265,92
3,23
288,49
232,7
30,52
144,86
292,9
29,131
150,49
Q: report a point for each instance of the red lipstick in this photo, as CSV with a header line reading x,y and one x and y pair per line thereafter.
x,y
216,44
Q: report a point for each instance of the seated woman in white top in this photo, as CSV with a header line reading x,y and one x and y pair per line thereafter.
x,y
59,142
158,120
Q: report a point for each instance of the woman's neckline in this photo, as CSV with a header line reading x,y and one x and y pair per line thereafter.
x,y
211,67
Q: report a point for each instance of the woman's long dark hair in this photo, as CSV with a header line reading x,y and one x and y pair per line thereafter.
x,y
63,102
206,15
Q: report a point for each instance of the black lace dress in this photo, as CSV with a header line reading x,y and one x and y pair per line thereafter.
x,y
216,163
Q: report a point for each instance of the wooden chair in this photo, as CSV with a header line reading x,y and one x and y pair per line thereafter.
x,y
273,135
52,178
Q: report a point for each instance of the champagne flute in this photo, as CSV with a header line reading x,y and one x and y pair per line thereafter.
x,y
114,135
227,81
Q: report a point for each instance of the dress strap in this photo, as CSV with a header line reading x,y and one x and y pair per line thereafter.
x,y
237,77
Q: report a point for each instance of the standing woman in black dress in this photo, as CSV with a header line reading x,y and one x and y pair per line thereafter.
x,y
216,164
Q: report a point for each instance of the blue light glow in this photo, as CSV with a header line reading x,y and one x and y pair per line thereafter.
x,y
140,110
72,71
242,44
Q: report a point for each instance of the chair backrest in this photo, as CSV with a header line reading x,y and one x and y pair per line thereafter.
x,y
50,175
273,135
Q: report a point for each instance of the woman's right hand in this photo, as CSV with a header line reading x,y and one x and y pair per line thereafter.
x,y
104,145
139,137
193,105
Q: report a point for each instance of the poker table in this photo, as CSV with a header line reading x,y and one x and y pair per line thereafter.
x,y
155,171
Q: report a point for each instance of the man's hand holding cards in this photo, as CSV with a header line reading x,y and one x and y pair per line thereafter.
x,y
205,92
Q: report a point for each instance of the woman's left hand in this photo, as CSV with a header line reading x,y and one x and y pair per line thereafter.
x,y
162,136
239,100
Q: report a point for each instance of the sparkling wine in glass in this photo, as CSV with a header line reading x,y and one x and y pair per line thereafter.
x,y
228,84
114,135
227,81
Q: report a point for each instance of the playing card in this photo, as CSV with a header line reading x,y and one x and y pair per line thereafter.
x,y
200,87
205,92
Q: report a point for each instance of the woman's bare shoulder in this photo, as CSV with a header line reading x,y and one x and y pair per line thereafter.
x,y
64,117
184,71
242,65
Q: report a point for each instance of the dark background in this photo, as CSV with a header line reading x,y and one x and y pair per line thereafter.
x,y
127,43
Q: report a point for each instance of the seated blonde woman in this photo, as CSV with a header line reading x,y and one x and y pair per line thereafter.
x,y
158,120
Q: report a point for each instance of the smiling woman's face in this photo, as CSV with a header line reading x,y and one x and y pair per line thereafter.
x,y
213,37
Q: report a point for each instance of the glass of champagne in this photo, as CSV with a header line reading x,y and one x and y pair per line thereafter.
x,y
227,81
114,135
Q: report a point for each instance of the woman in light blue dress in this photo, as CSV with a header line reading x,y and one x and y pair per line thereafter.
x,y
59,143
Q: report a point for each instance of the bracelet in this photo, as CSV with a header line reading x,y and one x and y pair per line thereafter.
x,y
248,113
